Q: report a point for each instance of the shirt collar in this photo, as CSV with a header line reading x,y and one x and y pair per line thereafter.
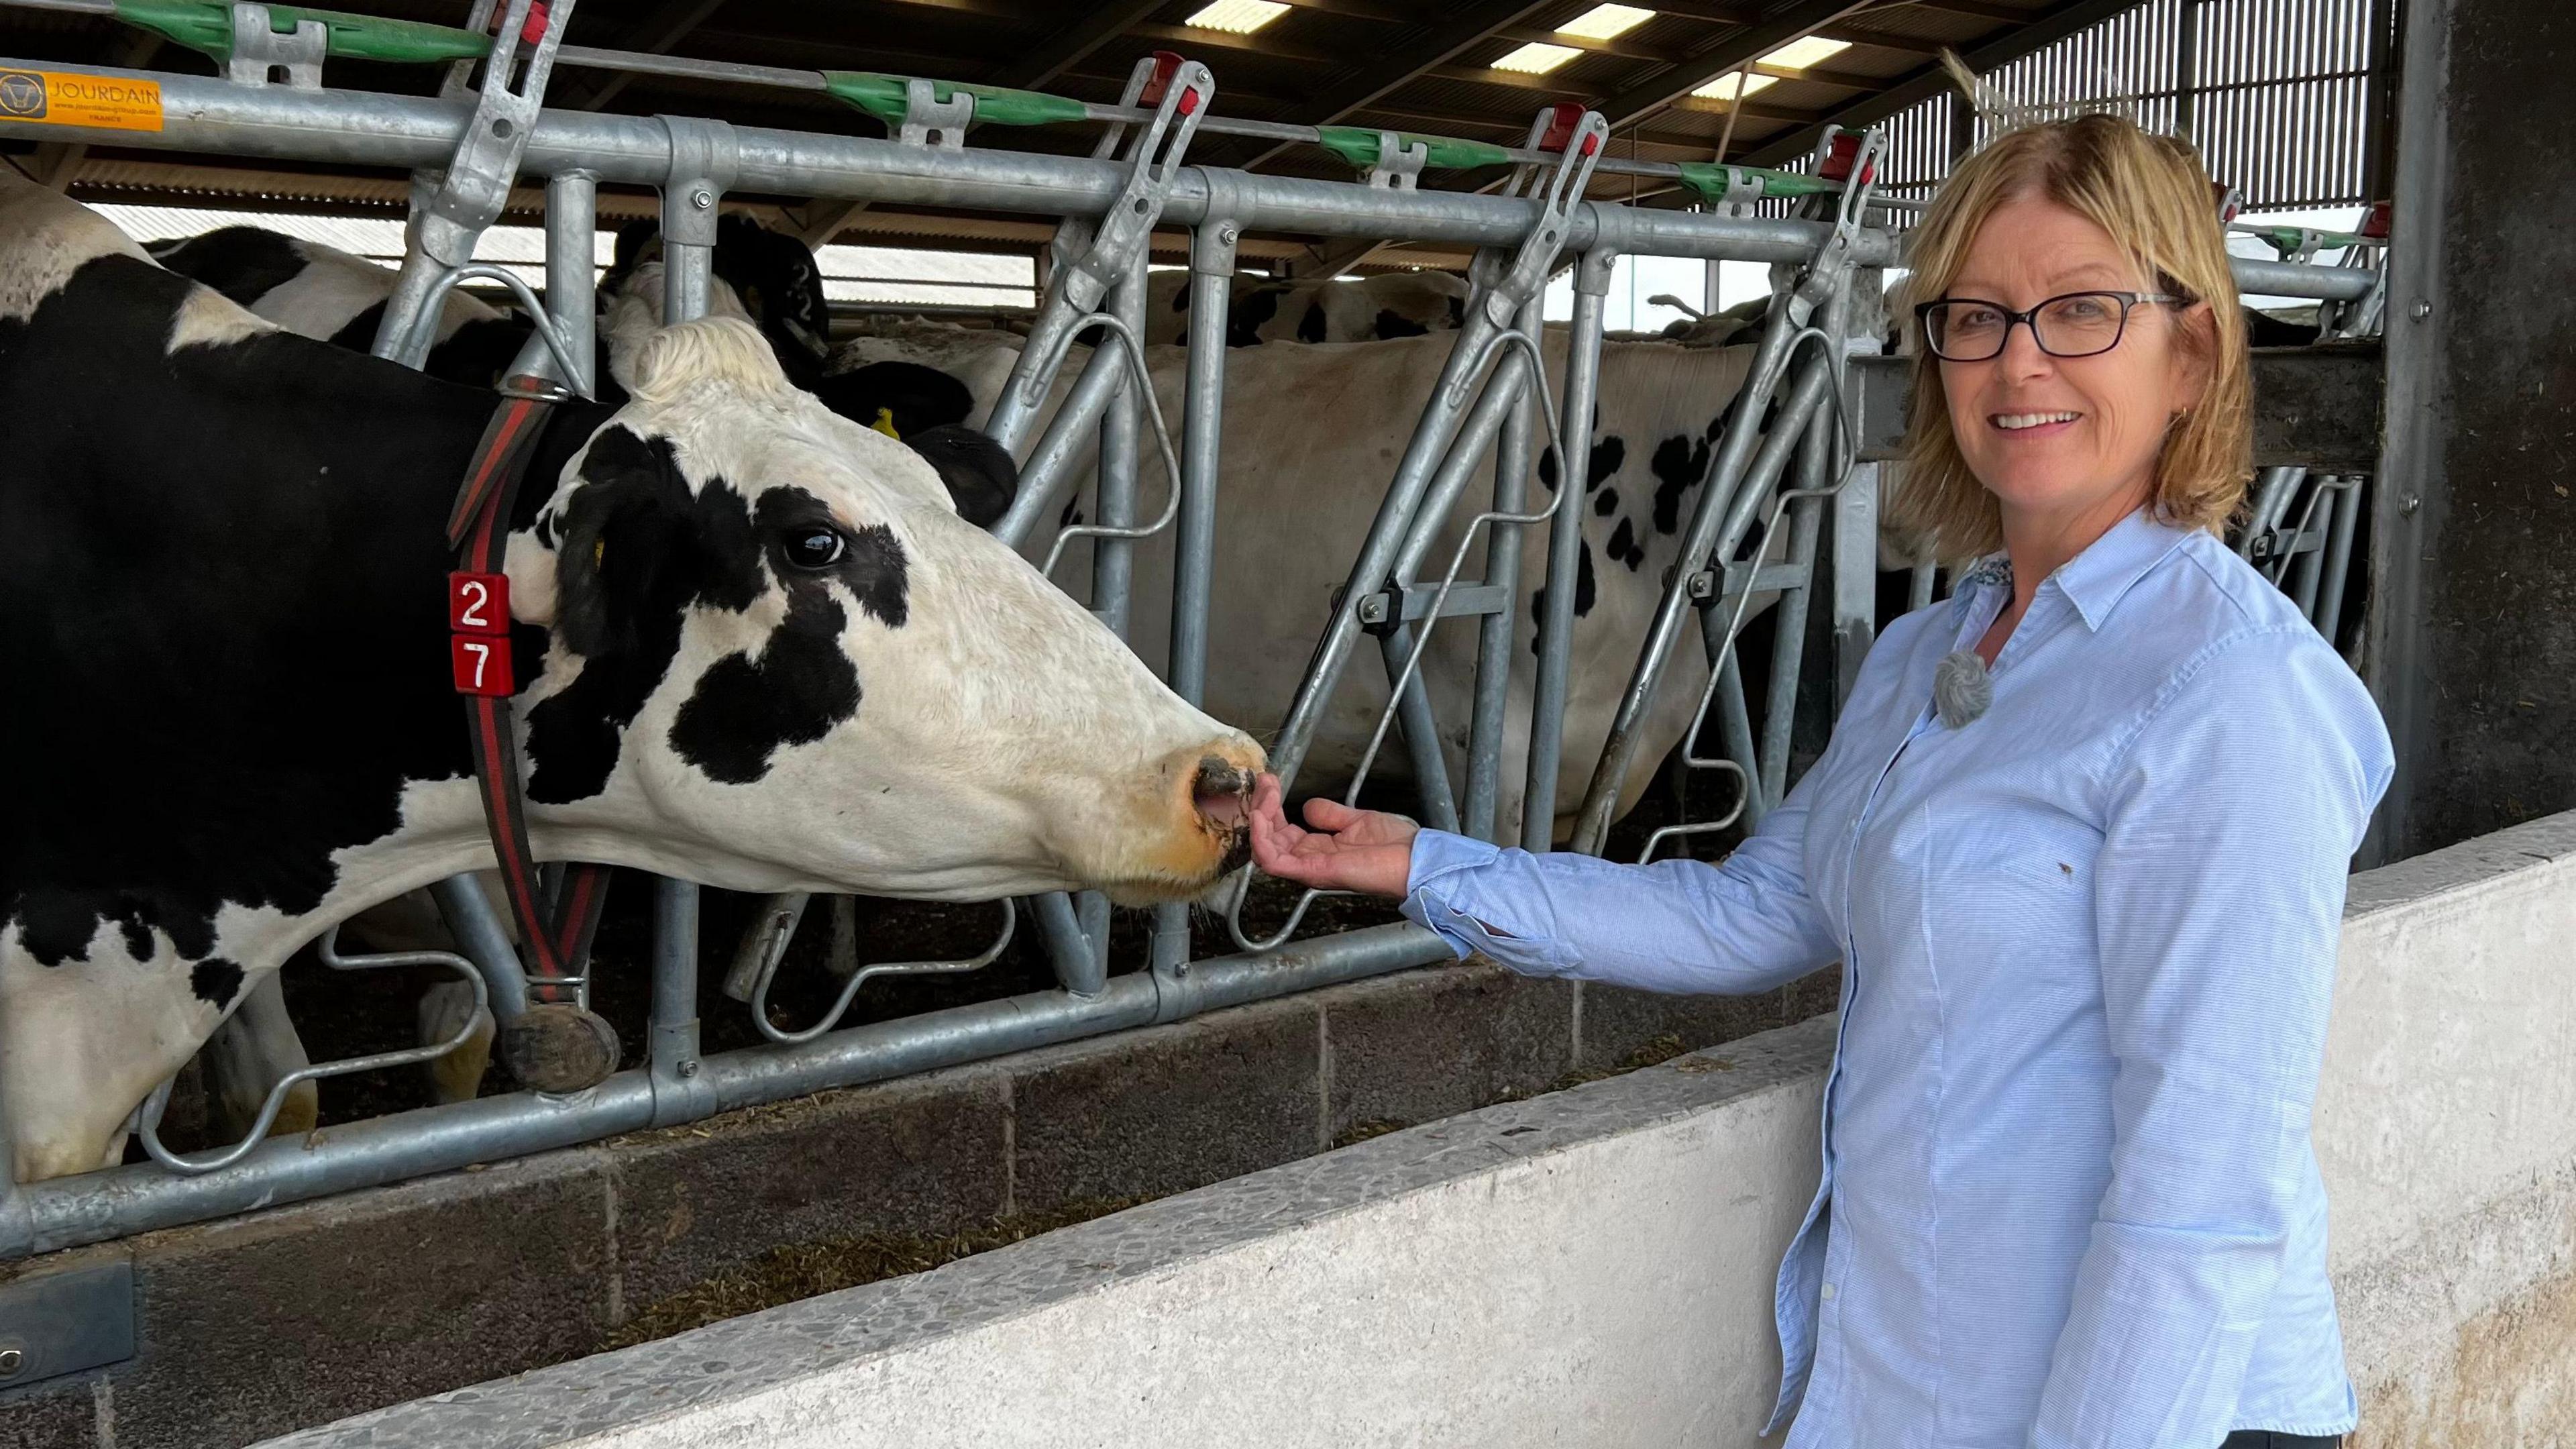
x,y
2095,580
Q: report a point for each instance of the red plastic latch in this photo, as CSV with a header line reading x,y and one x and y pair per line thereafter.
x,y
1839,157
478,603
481,666
2228,200
2374,223
1189,105
533,30
1167,63
1562,118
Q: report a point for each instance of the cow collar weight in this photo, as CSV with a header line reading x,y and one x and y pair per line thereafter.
x,y
221,552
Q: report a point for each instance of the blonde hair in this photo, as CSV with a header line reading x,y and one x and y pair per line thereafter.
x,y
2150,193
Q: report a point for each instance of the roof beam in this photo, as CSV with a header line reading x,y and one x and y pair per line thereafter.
x,y
1932,80
655,34
1859,35
1060,51
1443,45
1979,9
1727,53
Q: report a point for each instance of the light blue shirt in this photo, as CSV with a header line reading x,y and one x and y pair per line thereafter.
x,y
2088,942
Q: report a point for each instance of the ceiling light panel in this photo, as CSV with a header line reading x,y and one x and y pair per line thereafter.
x,y
1606,22
1537,59
1241,17
1723,88
1802,53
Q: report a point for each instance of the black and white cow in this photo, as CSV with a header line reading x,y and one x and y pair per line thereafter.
x,y
758,648
1312,436
1340,309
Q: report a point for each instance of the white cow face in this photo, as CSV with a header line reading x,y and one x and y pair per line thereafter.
x,y
778,652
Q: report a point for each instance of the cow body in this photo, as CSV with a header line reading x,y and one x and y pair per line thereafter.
x,y
1339,309
757,648
1312,437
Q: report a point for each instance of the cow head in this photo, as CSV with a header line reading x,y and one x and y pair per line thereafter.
x,y
779,653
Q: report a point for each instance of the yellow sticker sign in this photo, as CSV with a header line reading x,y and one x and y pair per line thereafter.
x,y
70,98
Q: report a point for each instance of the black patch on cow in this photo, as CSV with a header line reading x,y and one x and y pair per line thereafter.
x,y
1608,457
1181,297
772,273
982,479
1391,323
1678,465
1547,467
245,263
745,710
1310,328
237,555
216,981
1458,318
1624,546
1607,503
639,549
1249,312
872,565
1585,591
2264,330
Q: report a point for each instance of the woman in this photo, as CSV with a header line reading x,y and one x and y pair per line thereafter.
x,y
2087,930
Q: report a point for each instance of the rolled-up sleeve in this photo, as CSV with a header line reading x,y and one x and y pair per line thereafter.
x,y
1680,926
2230,824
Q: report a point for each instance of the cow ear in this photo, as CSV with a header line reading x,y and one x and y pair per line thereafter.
x,y
904,396
982,480
616,531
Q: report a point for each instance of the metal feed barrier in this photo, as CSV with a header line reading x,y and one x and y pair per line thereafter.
x,y
469,145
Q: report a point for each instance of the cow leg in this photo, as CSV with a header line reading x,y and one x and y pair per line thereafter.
x,y
458,1075
83,1042
247,1057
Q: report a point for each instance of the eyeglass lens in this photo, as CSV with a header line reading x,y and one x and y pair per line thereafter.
x,y
2072,326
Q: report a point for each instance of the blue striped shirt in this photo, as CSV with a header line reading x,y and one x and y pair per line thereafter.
x,y
2088,942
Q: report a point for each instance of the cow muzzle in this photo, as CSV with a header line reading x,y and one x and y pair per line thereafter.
x,y
1202,822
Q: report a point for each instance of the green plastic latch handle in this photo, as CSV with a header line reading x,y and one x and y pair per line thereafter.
x,y
1712,180
2286,239
207,26
1358,146
882,96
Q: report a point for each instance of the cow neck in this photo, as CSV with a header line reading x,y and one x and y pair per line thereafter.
x,y
556,931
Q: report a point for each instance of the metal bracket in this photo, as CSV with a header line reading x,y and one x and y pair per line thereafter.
x,y
450,210
58,1323
1501,286
930,121
1399,167
259,48
1395,604
1744,579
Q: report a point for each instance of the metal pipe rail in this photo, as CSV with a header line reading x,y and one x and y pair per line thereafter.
x,y
67,1212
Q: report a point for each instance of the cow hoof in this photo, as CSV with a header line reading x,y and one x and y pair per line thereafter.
x,y
302,1112
559,1047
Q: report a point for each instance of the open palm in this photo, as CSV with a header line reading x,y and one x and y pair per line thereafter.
x,y
1345,849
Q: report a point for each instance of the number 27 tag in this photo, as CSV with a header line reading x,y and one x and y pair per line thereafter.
x,y
478,603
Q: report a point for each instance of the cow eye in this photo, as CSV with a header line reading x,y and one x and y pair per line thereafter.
x,y
815,548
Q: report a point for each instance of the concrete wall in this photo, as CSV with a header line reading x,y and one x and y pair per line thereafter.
x,y
277,1320
1594,1266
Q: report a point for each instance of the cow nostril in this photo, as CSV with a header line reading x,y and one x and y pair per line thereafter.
x,y
1221,792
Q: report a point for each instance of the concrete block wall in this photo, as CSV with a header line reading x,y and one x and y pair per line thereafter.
x,y
278,1320
1594,1266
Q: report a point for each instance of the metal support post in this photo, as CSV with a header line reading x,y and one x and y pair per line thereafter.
x,y
572,253
1212,264
1502,568
481,940
680,1093
704,160
1788,654
1564,546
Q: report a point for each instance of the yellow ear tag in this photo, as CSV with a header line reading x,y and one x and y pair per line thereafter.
x,y
885,424
598,551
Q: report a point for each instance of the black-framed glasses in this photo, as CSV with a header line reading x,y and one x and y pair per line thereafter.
x,y
2075,324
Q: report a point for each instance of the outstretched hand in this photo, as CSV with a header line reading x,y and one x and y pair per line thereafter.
x,y
1346,849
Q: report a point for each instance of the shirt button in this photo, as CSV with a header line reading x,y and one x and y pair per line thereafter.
x,y
1828,1293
